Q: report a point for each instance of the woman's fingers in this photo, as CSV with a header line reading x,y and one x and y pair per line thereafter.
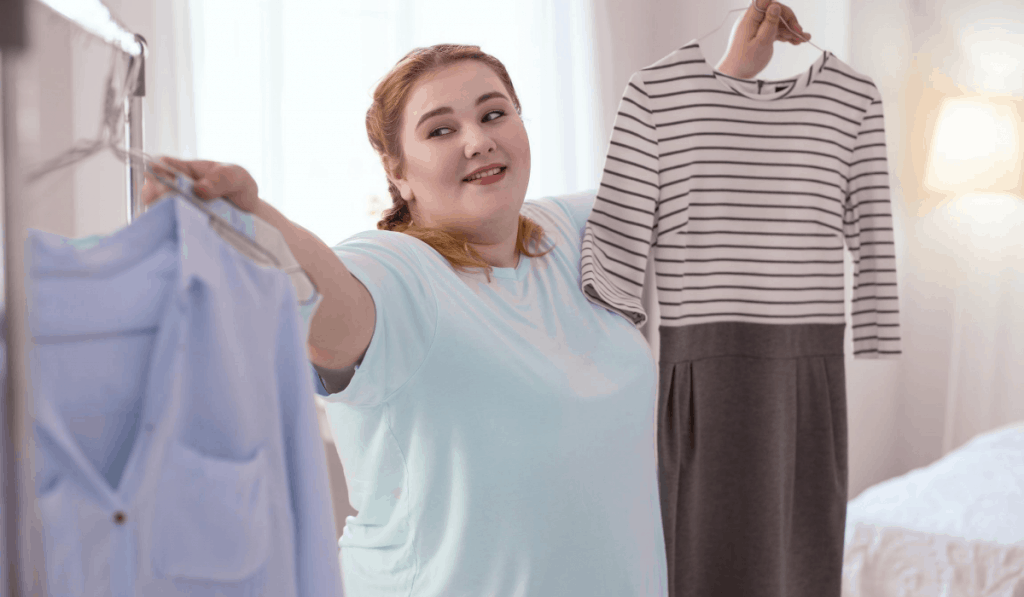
x,y
795,35
170,168
232,182
794,31
758,10
220,180
208,177
152,189
752,19
194,169
791,33
786,35
789,17
210,180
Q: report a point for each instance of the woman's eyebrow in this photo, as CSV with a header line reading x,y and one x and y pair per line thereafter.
x,y
447,110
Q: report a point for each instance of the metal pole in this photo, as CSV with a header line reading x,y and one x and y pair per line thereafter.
x,y
136,135
12,404
23,569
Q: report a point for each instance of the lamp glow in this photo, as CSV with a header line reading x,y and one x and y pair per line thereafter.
x,y
976,148
984,230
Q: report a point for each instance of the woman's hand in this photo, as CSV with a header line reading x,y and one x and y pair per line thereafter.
x,y
212,180
750,47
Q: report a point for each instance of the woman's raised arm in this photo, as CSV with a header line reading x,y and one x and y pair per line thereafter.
x,y
754,36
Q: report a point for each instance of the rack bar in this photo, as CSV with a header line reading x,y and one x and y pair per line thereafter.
x,y
94,17
135,134
23,569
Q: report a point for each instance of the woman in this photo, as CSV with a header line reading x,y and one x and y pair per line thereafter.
x,y
498,434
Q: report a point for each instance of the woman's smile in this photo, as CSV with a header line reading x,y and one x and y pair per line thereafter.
x,y
490,177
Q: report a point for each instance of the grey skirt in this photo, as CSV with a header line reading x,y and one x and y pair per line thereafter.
x,y
752,459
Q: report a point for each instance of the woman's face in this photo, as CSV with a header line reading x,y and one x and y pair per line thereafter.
x,y
456,121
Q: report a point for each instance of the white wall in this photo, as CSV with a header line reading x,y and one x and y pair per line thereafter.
x,y
48,207
938,259
72,68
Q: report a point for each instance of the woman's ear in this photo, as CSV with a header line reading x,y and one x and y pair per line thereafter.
x,y
400,183
404,189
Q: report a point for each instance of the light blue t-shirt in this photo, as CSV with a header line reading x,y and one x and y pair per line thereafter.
x,y
498,438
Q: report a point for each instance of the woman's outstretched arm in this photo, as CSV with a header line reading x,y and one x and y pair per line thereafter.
x,y
342,326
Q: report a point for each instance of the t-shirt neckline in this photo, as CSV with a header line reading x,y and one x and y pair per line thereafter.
x,y
766,90
513,273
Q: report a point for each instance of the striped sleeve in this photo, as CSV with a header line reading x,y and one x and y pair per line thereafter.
x,y
617,236
869,235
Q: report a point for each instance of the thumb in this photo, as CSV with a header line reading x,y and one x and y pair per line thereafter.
x,y
769,28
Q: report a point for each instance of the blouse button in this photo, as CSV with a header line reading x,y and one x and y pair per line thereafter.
x,y
119,518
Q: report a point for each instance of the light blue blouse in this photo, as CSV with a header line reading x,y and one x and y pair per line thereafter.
x,y
177,448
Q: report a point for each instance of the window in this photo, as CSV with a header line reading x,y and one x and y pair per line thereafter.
x,y
282,89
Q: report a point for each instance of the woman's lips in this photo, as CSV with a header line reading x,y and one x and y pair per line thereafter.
x,y
489,179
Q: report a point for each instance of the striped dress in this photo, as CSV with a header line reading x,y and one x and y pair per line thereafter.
x,y
747,191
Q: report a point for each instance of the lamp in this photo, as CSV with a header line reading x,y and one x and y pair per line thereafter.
x,y
975,148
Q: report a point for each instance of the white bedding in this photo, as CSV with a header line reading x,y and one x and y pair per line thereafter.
x,y
955,527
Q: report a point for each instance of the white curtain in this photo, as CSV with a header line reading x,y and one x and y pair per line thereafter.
x,y
282,89
980,236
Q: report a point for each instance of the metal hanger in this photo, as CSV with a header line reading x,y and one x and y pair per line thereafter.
x,y
111,136
763,11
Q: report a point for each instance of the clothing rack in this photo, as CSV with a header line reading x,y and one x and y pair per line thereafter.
x,y
23,572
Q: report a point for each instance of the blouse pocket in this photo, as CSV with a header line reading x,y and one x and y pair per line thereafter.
x,y
212,519
63,543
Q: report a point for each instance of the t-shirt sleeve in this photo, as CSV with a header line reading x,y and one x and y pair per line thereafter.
x,y
388,264
573,210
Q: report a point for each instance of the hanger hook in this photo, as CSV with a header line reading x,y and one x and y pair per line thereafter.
x,y
753,3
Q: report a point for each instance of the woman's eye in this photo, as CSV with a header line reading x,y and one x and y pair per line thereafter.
x,y
499,113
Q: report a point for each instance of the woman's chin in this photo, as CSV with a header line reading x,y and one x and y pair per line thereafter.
x,y
494,225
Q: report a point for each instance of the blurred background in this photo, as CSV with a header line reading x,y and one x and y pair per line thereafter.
x,y
282,89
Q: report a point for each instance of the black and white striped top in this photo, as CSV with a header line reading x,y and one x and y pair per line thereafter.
x,y
746,191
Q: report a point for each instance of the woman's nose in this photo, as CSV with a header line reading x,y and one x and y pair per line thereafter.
x,y
478,141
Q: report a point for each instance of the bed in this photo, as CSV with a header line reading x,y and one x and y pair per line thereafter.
x,y
952,528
